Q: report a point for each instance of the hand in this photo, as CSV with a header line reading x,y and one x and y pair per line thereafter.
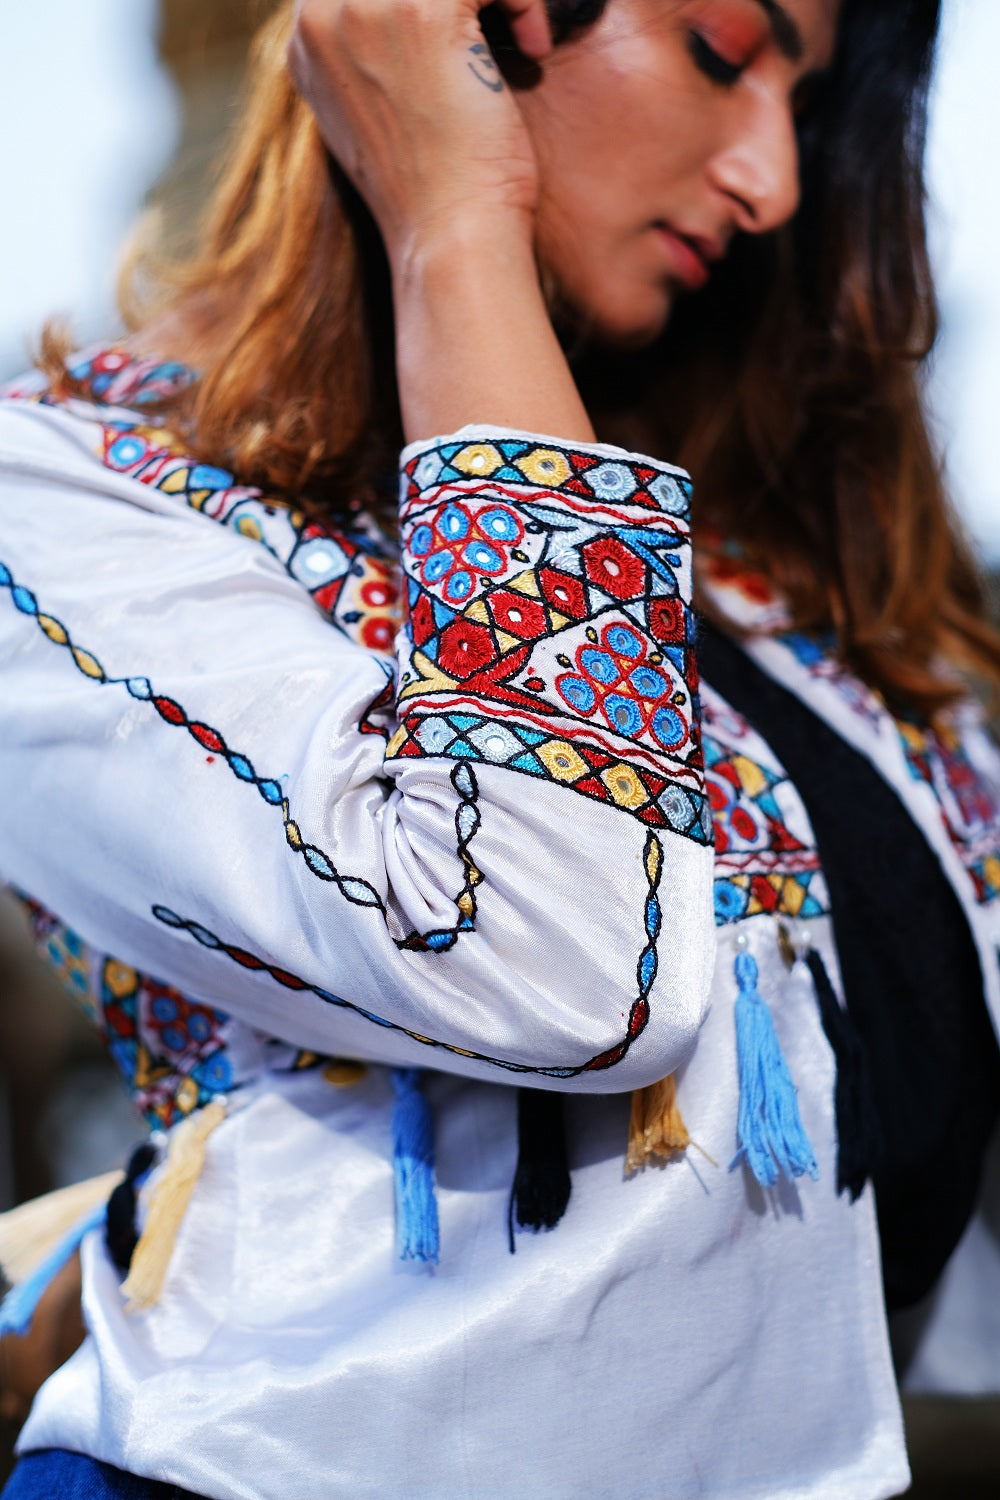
x,y
411,104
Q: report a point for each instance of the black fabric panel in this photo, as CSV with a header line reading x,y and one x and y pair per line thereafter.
x,y
912,979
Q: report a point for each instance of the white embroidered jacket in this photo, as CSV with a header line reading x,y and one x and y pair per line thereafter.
x,y
256,826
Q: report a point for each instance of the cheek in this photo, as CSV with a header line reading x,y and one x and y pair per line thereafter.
x,y
611,288
621,144
574,137
618,145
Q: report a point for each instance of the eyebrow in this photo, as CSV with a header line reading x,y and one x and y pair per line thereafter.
x,y
786,33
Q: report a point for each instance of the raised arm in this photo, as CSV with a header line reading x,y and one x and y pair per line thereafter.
x,y
412,105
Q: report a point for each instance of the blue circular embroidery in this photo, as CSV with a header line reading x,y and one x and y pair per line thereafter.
x,y
578,693
610,481
669,728
437,566
500,524
624,641
458,587
482,556
600,665
453,523
648,683
623,714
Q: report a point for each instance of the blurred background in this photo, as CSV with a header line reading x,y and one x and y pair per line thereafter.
x,y
113,103
106,106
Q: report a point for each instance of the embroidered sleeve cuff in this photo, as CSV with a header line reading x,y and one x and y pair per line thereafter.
x,y
549,627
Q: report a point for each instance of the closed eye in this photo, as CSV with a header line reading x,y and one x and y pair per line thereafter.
x,y
716,67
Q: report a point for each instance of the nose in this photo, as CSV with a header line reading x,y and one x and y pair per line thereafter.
x,y
757,166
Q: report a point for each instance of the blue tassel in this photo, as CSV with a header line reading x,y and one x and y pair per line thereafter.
x,y
770,1131
18,1307
417,1233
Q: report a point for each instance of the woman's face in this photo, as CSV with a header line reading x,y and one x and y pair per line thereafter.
x,y
660,132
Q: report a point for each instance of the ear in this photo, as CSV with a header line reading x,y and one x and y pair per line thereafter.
x,y
518,71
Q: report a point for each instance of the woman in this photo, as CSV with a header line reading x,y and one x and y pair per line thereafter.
x,y
486,851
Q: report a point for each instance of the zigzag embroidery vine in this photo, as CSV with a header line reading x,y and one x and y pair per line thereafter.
x,y
353,888
638,1017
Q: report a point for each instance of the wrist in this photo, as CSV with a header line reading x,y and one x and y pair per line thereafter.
x,y
466,251
474,342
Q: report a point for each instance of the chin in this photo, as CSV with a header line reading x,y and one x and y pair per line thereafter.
x,y
633,333
621,324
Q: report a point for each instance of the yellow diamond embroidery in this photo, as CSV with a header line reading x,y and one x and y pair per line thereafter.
x,y
914,739
561,760
478,458
247,526
792,896
624,786
544,466
119,978
89,665
158,437
752,778
186,1097
343,1074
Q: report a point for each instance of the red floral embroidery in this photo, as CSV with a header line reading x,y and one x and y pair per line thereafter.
x,y
517,614
465,648
614,568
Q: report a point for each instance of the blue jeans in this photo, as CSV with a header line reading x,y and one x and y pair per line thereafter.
x,y
54,1474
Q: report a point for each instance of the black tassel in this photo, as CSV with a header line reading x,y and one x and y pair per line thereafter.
x,y
121,1235
859,1136
541,1187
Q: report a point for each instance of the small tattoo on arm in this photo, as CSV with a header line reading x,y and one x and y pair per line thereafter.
x,y
484,68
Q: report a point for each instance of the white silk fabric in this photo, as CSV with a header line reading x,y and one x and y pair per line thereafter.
x,y
684,1332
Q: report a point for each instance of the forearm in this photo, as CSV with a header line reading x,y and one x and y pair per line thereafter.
x,y
449,173
474,341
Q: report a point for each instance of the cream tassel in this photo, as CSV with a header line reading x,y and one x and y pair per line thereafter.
x,y
343,1073
656,1129
31,1231
168,1203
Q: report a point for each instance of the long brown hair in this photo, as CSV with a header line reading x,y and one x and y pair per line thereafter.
x,y
789,387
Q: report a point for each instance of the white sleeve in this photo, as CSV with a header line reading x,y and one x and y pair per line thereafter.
x,y
196,774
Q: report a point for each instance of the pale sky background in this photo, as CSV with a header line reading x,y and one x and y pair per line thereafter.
x,y
964,179
89,120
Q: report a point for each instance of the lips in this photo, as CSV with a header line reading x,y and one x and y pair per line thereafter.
x,y
692,255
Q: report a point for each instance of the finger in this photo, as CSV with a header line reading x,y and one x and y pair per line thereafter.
x,y
529,25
